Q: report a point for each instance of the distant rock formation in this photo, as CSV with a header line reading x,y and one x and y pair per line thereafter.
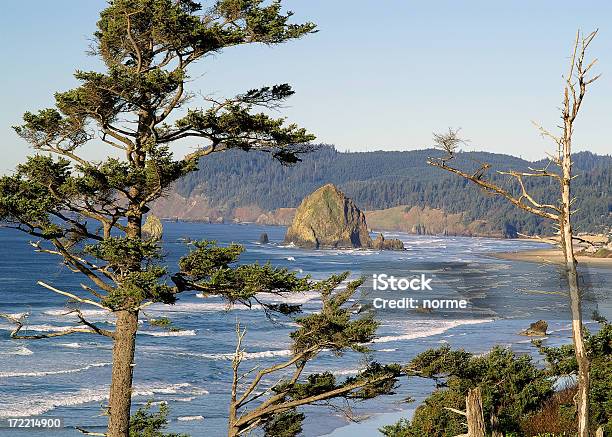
x,y
328,219
537,329
152,229
382,244
263,238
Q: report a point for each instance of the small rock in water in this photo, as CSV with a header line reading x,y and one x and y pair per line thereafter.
x,y
382,244
263,238
538,328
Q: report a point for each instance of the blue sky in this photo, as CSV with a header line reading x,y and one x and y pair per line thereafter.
x,y
380,74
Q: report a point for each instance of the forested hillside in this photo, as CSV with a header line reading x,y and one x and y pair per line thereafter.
x,y
383,179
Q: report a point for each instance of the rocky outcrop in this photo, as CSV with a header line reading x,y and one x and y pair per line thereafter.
x,y
536,329
263,238
328,219
382,244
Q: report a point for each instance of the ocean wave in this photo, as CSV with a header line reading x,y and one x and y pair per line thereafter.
x,y
292,298
40,328
71,345
19,351
182,333
67,312
189,418
427,328
51,372
345,372
196,307
17,315
230,355
21,406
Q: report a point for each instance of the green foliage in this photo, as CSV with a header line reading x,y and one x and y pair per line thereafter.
x,y
333,327
431,418
165,323
145,423
206,258
286,424
208,268
383,377
512,386
138,286
118,251
562,362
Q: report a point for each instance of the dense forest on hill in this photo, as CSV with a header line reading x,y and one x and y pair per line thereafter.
x,y
384,179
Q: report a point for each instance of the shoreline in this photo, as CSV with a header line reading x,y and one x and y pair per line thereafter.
x,y
551,256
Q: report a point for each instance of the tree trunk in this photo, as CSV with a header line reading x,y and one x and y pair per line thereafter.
x,y
582,401
232,431
123,364
495,432
600,432
474,414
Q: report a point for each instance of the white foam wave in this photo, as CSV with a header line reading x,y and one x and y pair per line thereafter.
x,y
428,328
230,355
182,333
345,372
51,372
67,312
19,351
71,345
197,307
293,298
17,315
23,406
190,418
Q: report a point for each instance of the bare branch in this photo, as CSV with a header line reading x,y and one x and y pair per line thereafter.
x,y
73,296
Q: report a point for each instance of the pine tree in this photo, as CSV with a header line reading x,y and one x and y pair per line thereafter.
x,y
90,213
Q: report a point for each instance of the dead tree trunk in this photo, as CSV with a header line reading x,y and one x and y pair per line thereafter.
x,y
582,399
474,414
123,364
573,94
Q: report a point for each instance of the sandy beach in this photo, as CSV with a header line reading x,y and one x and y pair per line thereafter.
x,y
552,256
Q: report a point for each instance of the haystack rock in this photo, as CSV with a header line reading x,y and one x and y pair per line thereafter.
x,y
328,219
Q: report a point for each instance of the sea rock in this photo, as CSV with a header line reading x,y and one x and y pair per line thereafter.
x,y
152,229
536,329
263,238
382,244
328,219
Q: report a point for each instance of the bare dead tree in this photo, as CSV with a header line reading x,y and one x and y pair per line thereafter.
x,y
473,414
577,81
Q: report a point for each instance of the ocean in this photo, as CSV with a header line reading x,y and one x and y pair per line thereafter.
x,y
190,369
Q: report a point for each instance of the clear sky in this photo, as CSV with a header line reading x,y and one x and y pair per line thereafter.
x,y
380,74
